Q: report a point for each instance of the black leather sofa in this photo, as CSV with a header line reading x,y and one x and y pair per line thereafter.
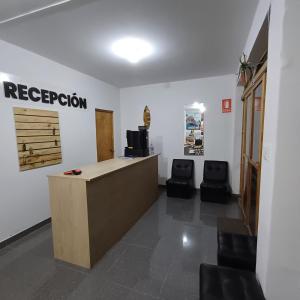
x,y
215,186
237,251
223,283
181,184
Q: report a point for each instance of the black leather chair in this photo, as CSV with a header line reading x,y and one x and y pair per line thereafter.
x,y
181,184
237,251
215,186
223,283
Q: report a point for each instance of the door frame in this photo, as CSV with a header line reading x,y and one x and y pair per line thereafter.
x,y
249,93
113,135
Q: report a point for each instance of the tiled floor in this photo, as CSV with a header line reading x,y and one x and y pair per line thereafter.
x,y
158,258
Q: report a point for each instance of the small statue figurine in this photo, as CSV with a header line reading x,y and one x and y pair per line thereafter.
x,y
147,117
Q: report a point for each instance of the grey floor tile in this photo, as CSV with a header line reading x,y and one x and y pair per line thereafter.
x,y
38,245
182,280
33,241
36,277
71,266
142,278
113,291
208,220
130,236
58,285
230,210
33,237
189,297
158,258
8,256
110,258
181,209
28,269
12,289
43,249
192,297
89,288
5,251
137,270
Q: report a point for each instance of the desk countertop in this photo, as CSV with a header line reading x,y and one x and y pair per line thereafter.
x,y
100,169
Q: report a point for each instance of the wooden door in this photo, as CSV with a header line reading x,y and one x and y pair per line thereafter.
x,y
104,134
259,91
252,138
246,140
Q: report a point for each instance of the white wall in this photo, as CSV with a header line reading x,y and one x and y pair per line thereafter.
x,y
166,102
259,17
269,140
278,264
24,195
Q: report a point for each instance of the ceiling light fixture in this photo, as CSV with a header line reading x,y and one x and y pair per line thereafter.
x,y
132,49
199,106
4,77
186,242
35,11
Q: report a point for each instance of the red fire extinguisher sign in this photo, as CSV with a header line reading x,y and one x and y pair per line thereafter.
x,y
226,105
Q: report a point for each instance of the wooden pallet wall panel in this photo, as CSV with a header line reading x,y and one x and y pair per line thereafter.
x,y
38,138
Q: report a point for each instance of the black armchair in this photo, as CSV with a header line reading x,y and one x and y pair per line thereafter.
x,y
181,184
237,251
223,283
215,186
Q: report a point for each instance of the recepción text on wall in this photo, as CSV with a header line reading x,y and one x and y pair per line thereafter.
x,y
23,92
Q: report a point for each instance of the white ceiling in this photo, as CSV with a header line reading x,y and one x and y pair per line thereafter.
x,y
193,38
11,8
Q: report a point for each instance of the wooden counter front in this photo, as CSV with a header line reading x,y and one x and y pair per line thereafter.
x,y
92,211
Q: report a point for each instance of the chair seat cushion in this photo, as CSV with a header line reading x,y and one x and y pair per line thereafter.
x,y
237,251
215,192
180,188
223,283
176,181
215,186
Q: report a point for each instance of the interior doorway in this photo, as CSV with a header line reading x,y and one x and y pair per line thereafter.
x,y
104,134
251,154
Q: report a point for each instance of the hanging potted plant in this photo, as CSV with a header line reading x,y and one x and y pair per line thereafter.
x,y
245,71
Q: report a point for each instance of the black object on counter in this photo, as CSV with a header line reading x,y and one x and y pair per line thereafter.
x,y
73,172
138,143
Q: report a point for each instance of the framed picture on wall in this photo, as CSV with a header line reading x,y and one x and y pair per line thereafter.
x,y
194,130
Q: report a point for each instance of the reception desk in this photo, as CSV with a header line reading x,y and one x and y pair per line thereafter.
x,y
92,211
